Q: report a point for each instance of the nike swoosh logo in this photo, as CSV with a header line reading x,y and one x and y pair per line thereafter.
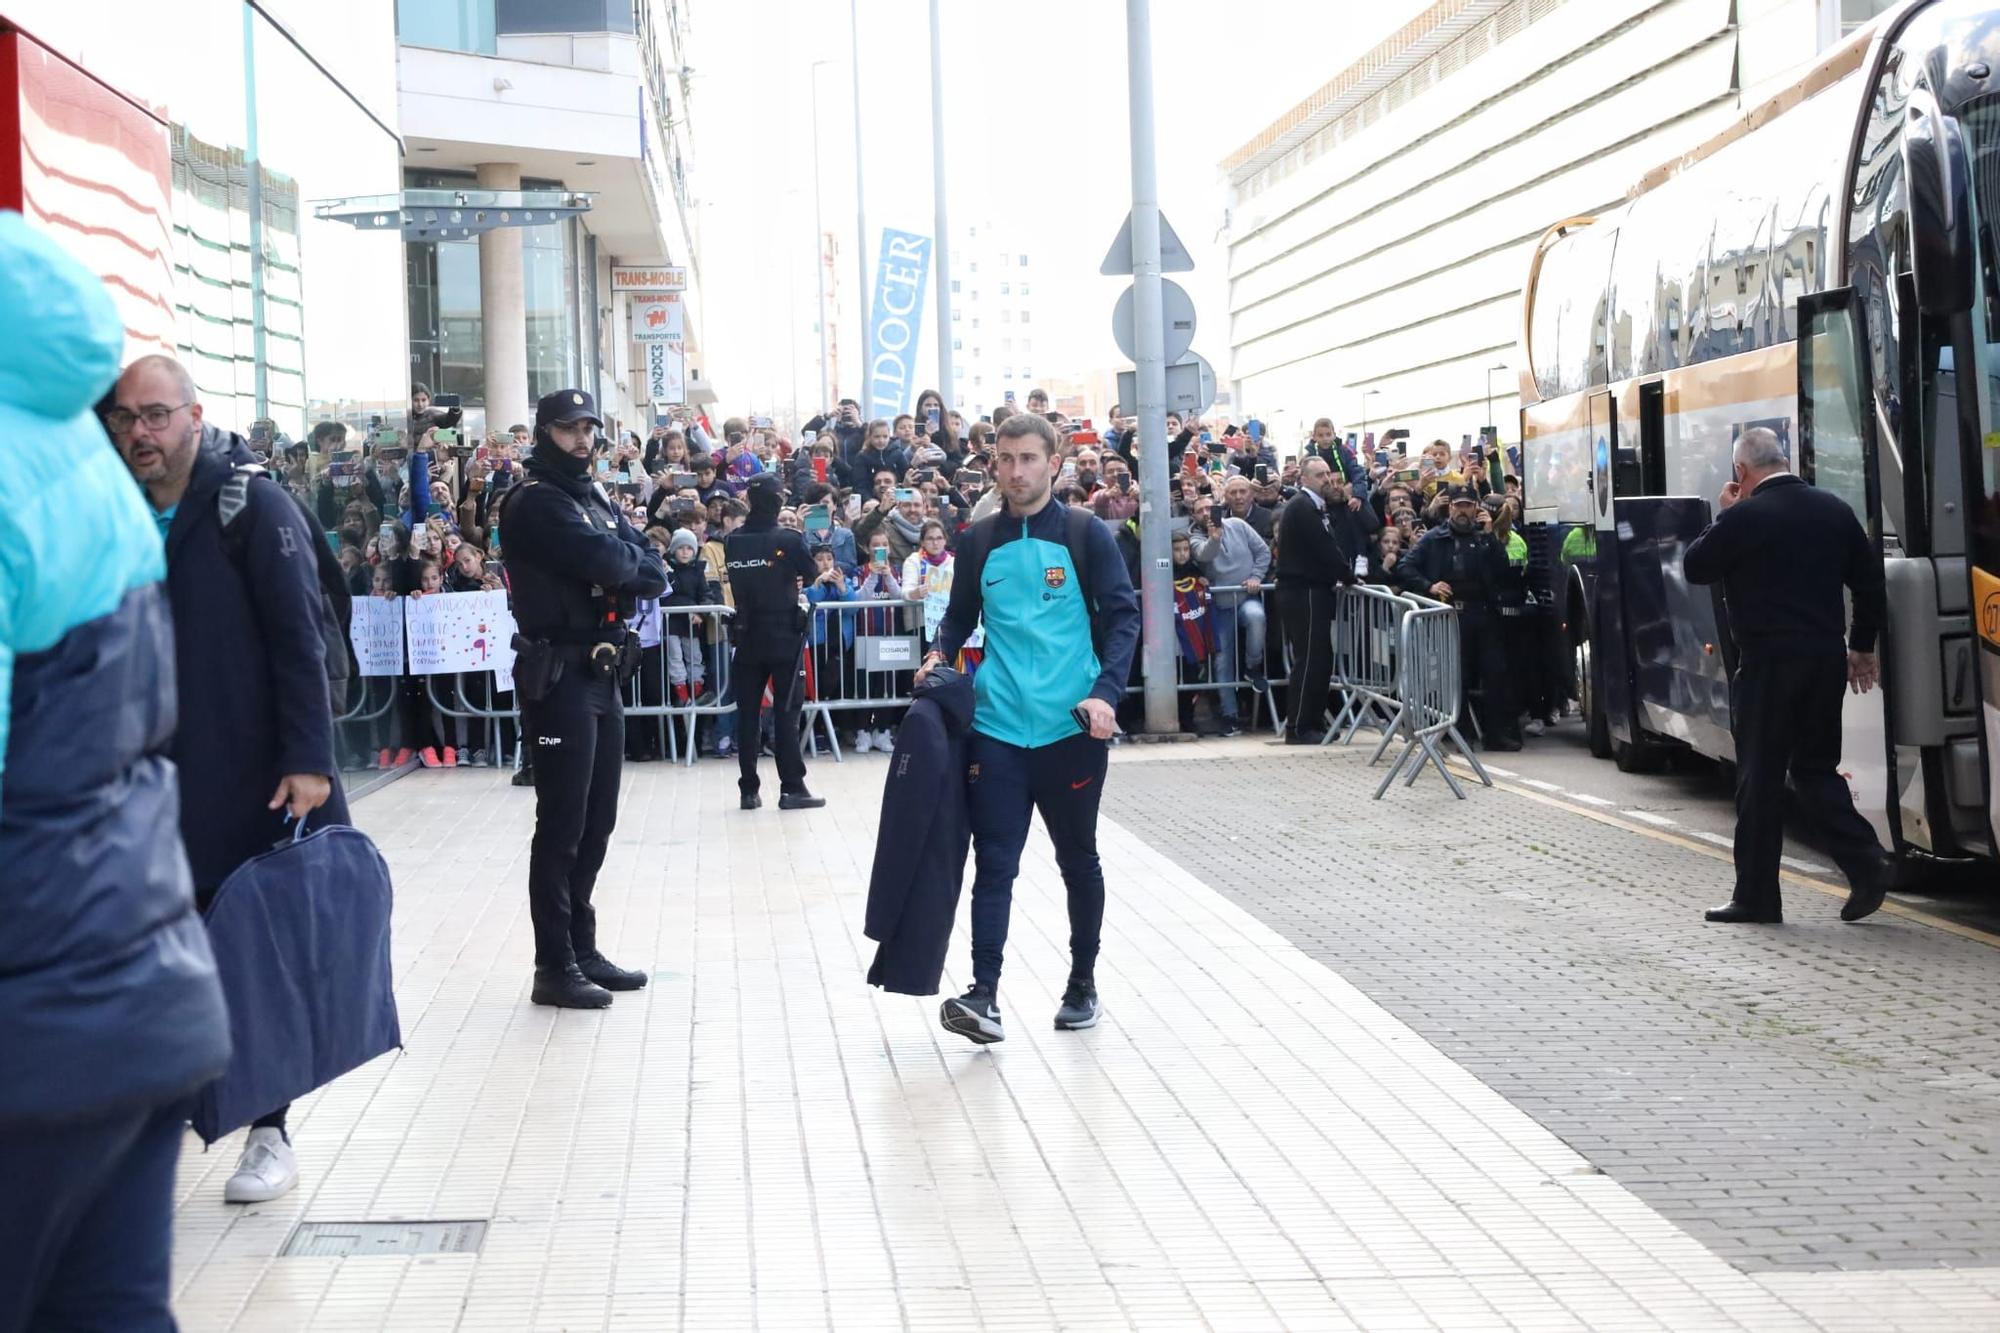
x,y
994,583
1079,786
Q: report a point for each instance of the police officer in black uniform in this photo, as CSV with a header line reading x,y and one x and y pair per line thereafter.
x,y
767,567
1468,568
576,567
1783,550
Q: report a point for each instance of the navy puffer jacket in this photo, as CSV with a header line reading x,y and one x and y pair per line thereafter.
x,y
107,985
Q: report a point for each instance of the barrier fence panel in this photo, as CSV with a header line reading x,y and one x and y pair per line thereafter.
x,y
861,663
1431,689
1367,638
1243,639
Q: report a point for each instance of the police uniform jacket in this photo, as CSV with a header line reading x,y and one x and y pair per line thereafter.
x,y
570,556
1473,563
767,566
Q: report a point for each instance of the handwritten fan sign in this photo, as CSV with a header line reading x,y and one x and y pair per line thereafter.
x,y
460,631
376,627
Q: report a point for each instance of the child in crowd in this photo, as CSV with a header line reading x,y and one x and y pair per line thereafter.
x,y
687,585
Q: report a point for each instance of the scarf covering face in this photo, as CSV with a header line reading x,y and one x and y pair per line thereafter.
x,y
552,456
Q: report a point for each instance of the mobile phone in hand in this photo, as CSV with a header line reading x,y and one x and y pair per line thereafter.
x,y
1082,719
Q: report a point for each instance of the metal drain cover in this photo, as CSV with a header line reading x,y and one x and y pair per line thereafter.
x,y
332,1240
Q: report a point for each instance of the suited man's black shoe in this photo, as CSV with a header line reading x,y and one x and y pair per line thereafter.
x,y
568,988
1865,898
1739,912
799,800
602,971
751,801
1304,737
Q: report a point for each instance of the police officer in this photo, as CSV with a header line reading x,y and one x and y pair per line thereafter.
x,y
576,567
1322,532
1782,551
1468,568
767,567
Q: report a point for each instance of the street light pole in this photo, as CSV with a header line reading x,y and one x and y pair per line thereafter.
x,y
1489,399
860,198
1156,595
819,256
941,246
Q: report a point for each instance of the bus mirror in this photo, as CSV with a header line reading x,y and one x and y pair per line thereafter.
x,y
1940,216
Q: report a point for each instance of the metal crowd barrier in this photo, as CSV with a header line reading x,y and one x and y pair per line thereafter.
x,y
1273,652
1367,624
1430,690
861,658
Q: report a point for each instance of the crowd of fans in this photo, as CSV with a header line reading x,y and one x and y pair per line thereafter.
x,y
882,503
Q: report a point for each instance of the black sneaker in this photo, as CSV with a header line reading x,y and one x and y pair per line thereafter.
x,y
1079,1007
799,800
1230,727
974,1015
568,988
605,973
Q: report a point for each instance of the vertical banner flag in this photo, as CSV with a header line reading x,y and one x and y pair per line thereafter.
x,y
898,316
659,328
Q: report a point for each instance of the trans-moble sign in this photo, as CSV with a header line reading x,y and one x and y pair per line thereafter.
x,y
633,279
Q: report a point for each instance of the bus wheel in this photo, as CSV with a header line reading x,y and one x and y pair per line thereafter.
x,y
1591,701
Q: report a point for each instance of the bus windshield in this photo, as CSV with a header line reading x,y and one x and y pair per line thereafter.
x,y
1981,121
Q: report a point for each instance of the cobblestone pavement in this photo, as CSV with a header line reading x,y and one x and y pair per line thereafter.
x,y
1816,1095
759,1141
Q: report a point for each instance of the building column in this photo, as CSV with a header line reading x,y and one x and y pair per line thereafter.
x,y
503,312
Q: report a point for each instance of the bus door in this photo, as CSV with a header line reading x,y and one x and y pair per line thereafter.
x,y
1611,651
1837,449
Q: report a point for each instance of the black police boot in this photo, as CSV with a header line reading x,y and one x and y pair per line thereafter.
x,y
568,988
608,974
524,777
1734,913
750,801
799,800
1303,737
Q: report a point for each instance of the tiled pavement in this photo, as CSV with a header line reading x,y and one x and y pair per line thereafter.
x,y
760,1141
1819,1095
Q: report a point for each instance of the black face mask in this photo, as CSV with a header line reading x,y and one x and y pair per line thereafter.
x,y
553,456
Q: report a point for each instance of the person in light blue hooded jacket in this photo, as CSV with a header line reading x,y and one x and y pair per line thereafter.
x,y
114,1014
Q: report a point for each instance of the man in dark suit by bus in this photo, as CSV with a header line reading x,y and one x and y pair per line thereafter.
x,y
1782,551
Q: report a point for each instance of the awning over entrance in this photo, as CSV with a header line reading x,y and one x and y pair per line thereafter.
x,y
440,215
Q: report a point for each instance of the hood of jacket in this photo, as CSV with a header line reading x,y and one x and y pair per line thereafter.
x,y
64,352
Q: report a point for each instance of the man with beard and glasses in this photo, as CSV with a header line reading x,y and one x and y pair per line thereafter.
x,y
255,740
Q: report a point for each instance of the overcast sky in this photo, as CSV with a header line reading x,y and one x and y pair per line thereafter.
x,y
1038,143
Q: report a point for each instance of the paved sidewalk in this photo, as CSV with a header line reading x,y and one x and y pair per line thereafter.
x,y
760,1141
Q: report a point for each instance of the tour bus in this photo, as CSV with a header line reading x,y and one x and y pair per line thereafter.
x,y
1823,268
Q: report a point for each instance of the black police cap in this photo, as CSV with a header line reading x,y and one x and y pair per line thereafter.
x,y
567,405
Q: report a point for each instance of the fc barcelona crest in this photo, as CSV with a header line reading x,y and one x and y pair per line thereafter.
x,y
1055,576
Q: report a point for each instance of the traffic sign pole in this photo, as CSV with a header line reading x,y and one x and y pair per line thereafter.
x,y
1156,576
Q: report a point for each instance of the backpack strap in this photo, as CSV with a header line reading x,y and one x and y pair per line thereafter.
x,y
1076,536
234,497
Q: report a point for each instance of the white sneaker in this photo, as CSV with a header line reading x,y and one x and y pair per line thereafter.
x,y
266,1170
863,742
885,740
1533,727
